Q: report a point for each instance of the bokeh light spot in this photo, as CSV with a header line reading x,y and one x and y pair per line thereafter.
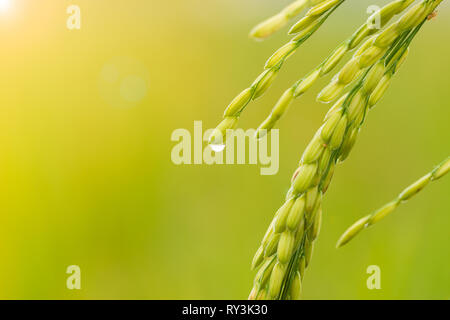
x,y
110,73
133,88
123,82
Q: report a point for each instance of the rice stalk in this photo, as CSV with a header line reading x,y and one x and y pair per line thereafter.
x,y
286,249
373,49
278,21
301,86
319,15
369,220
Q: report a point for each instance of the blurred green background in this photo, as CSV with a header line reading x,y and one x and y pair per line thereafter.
x,y
87,179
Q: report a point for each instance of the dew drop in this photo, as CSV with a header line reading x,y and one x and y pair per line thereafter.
x,y
217,147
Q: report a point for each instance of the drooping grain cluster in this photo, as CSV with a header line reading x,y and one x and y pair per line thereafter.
x,y
286,249
369,220
278,21
300,87
316,16
372,50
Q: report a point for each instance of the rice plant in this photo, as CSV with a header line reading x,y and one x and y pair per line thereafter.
x,y
369,220
287,247
271,69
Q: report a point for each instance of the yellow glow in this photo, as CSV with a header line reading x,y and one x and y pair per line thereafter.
x,y
5,5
